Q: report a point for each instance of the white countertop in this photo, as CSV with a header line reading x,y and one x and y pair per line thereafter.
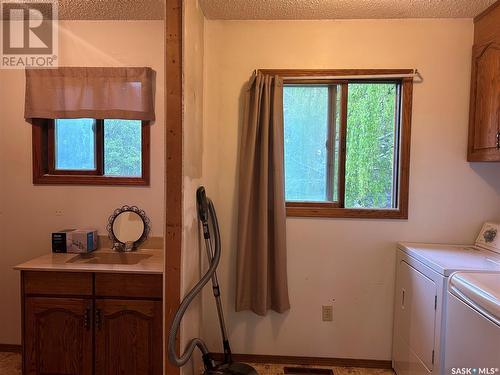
x,y
147,261
446,259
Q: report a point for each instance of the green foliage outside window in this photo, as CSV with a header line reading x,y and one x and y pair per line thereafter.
x,y
122,148
75,146
370,144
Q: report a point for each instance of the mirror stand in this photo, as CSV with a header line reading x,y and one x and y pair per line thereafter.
x,y
128,227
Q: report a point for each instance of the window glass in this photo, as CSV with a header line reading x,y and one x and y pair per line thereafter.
x,y
122,148
371,135
306,119
75,144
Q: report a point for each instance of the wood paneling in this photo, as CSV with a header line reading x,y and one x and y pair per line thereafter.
x,y
128,337
128,285
57,283
58,335
308,361
173,186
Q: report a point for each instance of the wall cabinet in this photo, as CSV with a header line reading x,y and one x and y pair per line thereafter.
x,y
484,116
70,329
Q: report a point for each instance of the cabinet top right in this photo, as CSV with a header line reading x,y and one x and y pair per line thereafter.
x,y
484,110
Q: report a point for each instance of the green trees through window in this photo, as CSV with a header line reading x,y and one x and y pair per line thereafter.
x,y
371,132
312,138
75,146
122,148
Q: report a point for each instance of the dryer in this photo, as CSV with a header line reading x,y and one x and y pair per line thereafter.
x,y
422,273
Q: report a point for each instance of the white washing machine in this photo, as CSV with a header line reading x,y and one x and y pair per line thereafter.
x,y
420,302
472,339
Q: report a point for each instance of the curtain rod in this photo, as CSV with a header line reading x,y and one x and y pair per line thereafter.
x,y
415,74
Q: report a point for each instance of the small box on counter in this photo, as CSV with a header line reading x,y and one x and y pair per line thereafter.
x,y
82,241
60,241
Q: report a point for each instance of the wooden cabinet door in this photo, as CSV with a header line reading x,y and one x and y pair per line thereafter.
x,y
58,336
128,337
485,103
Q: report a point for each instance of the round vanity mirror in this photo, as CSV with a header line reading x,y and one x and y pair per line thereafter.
x,y
128,227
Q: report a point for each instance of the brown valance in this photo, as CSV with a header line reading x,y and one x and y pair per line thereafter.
x,y
90,92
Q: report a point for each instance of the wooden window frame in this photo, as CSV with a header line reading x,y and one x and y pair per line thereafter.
x,y
45,173
401,149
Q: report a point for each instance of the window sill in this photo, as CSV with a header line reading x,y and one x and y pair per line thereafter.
x,y
50,179
336,212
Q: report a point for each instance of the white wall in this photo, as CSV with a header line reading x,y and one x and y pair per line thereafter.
x,y
192,168
350,261
27,212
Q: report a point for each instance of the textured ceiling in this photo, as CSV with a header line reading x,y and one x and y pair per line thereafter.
x,y
109,10
337,9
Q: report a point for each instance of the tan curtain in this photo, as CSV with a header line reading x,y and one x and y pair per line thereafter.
x,y
261,264
103,93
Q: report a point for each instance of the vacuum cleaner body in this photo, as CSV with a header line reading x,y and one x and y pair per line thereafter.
x,y
208,219
233,368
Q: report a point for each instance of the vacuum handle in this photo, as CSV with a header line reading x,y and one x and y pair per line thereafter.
x,y
202,207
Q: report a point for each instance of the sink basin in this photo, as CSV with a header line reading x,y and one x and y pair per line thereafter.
x,y
109,258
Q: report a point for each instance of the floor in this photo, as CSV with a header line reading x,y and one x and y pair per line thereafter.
x,y
10,364
263,369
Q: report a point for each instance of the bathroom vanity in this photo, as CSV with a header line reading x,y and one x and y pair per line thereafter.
x,y
98,313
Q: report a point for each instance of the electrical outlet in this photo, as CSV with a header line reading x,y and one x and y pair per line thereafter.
x,y
59,212
327,313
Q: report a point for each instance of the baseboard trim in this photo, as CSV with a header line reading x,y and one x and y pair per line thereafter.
x,y
10,348
309,361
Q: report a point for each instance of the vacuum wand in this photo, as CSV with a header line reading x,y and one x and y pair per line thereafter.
x,y
216,292
206,209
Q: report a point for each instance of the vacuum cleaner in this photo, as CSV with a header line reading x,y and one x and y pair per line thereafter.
x,y
208,219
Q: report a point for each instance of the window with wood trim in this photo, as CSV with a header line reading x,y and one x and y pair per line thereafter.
x,y
88,151
347,145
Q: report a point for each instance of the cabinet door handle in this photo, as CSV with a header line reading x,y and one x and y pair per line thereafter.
x,y
403,298
86,318
98,321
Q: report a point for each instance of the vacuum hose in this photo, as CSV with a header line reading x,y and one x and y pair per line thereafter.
x,y
205,208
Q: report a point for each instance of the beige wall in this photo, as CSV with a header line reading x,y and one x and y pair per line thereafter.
x,y
347,260
27,212
192,168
